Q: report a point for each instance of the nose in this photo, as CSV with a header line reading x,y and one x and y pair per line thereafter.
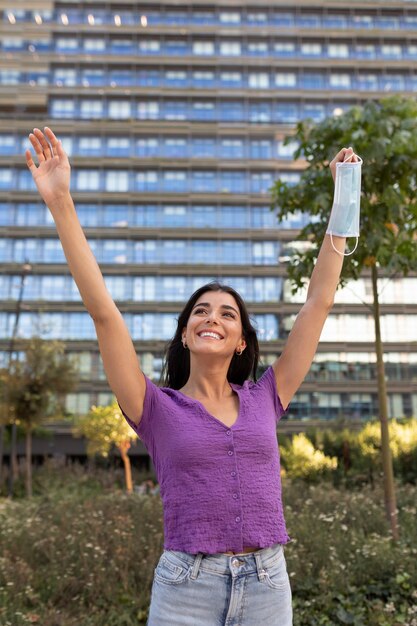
x,y
212,317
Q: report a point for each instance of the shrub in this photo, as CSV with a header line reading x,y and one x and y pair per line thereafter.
x,y
301,460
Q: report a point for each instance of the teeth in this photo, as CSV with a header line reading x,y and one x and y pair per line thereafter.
x,y
207,334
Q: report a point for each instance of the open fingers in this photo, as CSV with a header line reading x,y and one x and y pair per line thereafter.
x,y
29,161
46,148
37,147
52,138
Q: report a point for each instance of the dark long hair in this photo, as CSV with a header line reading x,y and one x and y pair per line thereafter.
x,y
177,359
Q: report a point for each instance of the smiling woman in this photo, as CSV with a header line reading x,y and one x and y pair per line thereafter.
x,y
211,430
221,309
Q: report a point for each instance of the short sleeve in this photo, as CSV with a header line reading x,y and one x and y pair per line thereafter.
x,y
268,383
144,428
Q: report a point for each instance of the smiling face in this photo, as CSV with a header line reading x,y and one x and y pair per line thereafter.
x,y
214,325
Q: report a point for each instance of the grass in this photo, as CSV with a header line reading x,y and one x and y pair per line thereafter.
x,y
82,552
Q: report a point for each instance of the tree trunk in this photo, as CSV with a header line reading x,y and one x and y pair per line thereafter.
x,y
2,430
389,487
29,463
128,470
13,464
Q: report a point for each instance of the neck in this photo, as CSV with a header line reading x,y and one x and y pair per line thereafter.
x,y
208,379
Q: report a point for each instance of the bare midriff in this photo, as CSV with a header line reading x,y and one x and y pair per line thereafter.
x,y
245,551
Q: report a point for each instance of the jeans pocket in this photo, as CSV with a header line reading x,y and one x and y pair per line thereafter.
x,y
171,570
276,576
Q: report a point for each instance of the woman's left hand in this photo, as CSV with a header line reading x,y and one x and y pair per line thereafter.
x,y
346,154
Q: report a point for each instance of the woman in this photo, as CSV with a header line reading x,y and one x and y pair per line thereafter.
x,y
211,432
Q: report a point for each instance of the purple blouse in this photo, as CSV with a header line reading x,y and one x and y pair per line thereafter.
x,y
220,486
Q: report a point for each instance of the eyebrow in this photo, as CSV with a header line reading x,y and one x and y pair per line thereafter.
x,y
223,306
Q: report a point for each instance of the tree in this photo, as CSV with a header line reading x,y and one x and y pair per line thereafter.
x,y
384,134
30,389
103,427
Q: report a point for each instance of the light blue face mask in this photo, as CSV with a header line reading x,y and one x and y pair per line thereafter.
x,y
344,217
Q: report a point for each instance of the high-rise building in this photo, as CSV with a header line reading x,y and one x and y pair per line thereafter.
x,y
173,115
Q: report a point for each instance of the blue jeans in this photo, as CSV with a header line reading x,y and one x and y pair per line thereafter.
x,y
221,590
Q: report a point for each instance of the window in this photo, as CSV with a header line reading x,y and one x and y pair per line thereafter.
x,y
231,79
259,80
203,79
260,182
311,49
286,151
120,77
148,110
260,112
339,81
204,182
90,146
176,77
203,110
338,51
232,149
285,79
204,147
393,82
257,18
149,46
175,181
122,46
94,45
88,180
230,48
175,148
77,403
13,43
367,81
91,77
65,76
260,149
118,146
391,51
365,51
6,178
284,49
229,17
114,251
147,147
66,44
62,108
91,108
117,181
175,110
146,181
258,48
203,47
119,109
8,144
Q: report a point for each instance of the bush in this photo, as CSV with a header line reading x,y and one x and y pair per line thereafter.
x,y
86,556
301,460
358,454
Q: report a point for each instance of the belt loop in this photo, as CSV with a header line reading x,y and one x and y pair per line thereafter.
x,y
197,561
260,569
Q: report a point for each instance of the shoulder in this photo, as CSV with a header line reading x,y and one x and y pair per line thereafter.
x,y
263,391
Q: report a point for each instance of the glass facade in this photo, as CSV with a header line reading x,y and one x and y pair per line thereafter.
x,y
174,119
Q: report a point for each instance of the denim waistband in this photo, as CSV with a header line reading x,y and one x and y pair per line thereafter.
x,y
224,564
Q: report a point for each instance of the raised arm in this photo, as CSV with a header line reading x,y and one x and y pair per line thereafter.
x,y
295,361
52,178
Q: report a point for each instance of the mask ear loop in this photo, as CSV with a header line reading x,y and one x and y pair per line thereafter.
x,y
341,253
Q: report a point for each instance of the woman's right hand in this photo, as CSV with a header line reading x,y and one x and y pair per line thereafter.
x,y
52,175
